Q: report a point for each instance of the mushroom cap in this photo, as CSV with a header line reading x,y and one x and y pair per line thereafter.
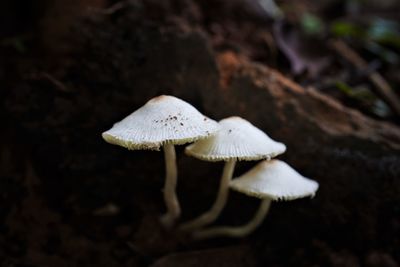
x,y
162,120
276,180
236,139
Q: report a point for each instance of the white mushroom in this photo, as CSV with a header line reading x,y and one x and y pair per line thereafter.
x,y
270,181
237,139
164,121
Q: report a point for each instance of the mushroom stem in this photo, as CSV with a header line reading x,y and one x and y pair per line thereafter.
x,y
222,197
171,178
237,231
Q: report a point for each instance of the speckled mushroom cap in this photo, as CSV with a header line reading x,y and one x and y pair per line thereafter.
x,y
163,119
236,139
276,180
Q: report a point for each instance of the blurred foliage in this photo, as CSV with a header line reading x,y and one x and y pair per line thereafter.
x,y
367,100
383,53
381,31
16,43
380,37
347,29
312,24
384,32
375,39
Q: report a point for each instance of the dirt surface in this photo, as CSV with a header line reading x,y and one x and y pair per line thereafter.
x,y
70,199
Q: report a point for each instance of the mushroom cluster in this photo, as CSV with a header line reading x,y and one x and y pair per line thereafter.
x,y
165,121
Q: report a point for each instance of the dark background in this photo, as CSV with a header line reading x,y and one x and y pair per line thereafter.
x,y
70,69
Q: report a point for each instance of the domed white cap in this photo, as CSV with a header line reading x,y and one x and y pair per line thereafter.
x,y
236,139
276,180
163,119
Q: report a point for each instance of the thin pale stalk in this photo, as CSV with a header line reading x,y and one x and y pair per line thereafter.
x,y
171,179
220,202
237,231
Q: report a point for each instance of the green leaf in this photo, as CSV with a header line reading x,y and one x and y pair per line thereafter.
x,y
385,32
312,24
345,29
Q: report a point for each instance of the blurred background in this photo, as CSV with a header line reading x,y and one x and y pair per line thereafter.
x,y
321,76
348,49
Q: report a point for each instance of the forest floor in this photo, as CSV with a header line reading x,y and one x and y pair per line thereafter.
x,y
323,80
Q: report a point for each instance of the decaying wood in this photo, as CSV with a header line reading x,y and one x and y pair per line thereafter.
x,y
120,65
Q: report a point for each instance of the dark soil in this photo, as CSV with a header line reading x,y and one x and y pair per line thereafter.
x,y
67,198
